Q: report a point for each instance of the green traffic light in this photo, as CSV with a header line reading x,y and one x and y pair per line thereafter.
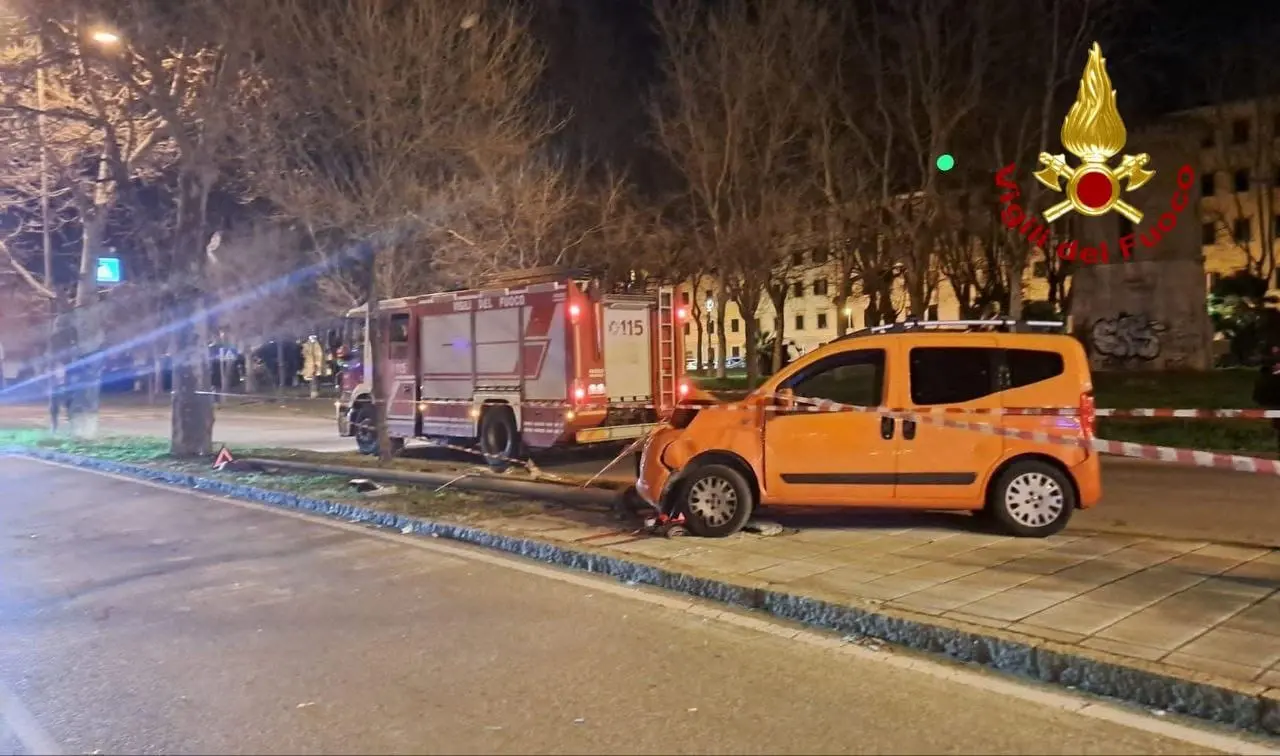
x,y
945,162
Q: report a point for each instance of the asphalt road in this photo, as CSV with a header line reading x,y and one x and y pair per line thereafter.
x,y
137,619
1148,498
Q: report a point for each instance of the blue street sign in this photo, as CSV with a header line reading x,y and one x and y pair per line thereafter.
x,y
109,270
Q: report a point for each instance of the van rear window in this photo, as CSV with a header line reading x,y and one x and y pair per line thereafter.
x,y
1029,366
951,375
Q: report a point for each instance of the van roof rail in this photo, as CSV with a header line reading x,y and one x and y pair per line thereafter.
x,y
1002,325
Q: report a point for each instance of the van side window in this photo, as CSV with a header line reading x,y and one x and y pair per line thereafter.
x,y
854,377
399,328
1028,366
950,375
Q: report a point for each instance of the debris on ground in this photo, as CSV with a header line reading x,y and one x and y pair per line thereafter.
x,y
763,527
871,644
372,488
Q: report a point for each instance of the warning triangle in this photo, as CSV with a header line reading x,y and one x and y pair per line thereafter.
x,y
224,456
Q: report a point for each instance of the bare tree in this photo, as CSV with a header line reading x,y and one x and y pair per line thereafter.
x,y
76,142
1053,37
924,64
394,126
730,118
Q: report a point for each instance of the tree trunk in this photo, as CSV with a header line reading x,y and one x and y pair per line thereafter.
x,y
917,297
84,367
250,351
376,346
280,364
192,417
722,338
697,324
778,298
752,334
749,301
1016,270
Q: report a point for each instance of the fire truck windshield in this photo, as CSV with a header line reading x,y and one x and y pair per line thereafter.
x,y
353,337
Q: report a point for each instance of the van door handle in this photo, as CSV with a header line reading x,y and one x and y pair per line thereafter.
x,y
886,427
908,429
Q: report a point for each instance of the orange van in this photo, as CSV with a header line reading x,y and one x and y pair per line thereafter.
x,y
716,464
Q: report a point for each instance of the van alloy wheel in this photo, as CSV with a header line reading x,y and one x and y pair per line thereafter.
x,y
1034,499
713,499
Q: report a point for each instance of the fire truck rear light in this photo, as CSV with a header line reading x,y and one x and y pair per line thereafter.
x,y
684,388
569,414
579,393
574,311
475,412
682,313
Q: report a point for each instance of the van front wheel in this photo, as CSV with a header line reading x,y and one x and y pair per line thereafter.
x,y
1032,499
716,501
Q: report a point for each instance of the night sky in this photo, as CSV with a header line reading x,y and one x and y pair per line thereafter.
x,y
1170,50
1163,53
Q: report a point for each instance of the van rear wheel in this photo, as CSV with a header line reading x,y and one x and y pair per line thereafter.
x,y
1032,499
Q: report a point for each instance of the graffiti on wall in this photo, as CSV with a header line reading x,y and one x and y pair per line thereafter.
x,y
1127,337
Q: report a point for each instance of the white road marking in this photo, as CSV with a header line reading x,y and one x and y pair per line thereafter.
x,y
24,726
1064,700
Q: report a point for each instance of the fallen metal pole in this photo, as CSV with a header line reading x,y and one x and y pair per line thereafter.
x,y
493,484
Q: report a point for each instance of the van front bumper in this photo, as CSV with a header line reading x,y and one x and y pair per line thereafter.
x,y
653,478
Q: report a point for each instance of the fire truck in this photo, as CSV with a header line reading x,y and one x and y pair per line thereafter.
x,y
531,360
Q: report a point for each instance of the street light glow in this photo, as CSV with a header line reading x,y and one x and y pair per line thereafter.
x,y
104,37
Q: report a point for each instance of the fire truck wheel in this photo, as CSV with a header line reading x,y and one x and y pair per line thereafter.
x,y
499,437
365,430
364,424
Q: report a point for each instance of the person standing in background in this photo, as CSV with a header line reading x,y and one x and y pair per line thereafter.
x,y
312,364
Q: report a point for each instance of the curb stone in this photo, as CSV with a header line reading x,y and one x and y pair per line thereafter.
x,y
1242,705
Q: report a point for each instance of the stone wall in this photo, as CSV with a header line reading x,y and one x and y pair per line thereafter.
x,y
1150,312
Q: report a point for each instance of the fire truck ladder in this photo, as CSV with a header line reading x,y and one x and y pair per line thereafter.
x,y
667,396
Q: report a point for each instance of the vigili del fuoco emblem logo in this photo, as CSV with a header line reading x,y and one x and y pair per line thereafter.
x,y
1094,133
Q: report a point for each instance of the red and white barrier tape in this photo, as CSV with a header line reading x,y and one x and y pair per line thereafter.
x,y
1240,414
1148,412
1234,462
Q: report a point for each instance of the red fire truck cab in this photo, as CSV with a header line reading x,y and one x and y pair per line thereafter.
x,y
531,360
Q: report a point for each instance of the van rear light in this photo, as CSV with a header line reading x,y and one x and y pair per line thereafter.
x,y
1088,414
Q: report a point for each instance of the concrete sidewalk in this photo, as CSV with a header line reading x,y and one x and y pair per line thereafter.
x,y
1186,605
